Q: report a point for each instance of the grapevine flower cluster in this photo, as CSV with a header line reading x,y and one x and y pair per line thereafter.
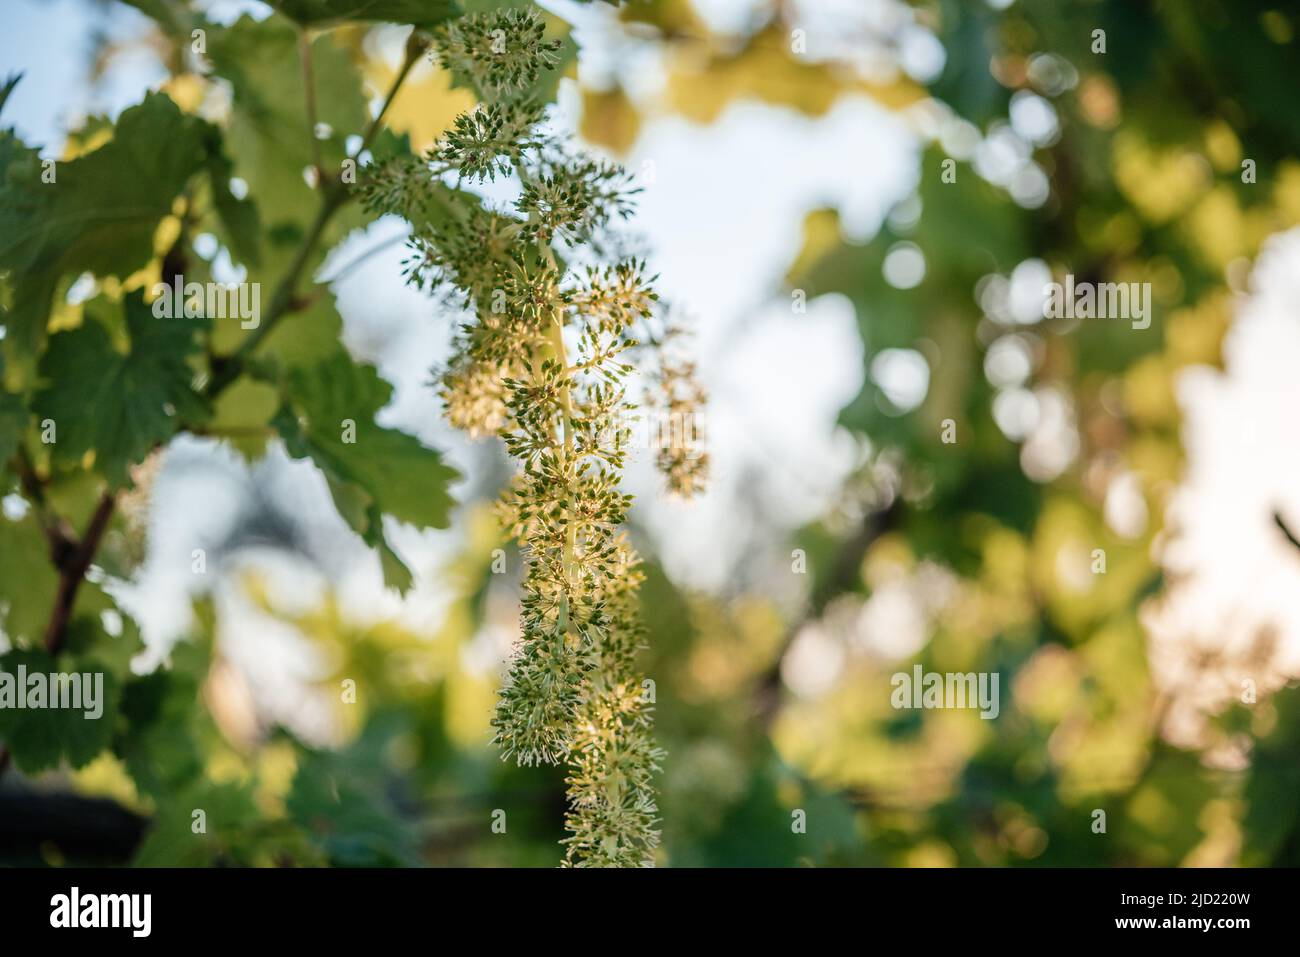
x,y
545,361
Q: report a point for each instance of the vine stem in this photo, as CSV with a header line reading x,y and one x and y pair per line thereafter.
x,y
58,532
555,335
334,196
567,451
72,574
309,97
615,783
72,571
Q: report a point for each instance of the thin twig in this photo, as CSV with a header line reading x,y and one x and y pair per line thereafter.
x,y
1280,522
74,571
415,47
309,96
360,260
844,570
71,573
57,531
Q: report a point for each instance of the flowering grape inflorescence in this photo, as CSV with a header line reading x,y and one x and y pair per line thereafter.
x,y
544,362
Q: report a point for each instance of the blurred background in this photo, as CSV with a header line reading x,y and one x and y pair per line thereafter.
x,y
1113,531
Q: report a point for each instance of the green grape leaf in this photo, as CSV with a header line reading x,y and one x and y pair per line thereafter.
x,y
1272,791
40,734
170,15
241,226
389,145
307,336
158,745
229,817
98,213
73,495
421,13
28,585
88,636
241,415
21,205
119,402
396,575
328,416
267,134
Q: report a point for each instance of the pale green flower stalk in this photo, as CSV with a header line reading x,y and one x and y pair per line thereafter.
x,y
545,364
